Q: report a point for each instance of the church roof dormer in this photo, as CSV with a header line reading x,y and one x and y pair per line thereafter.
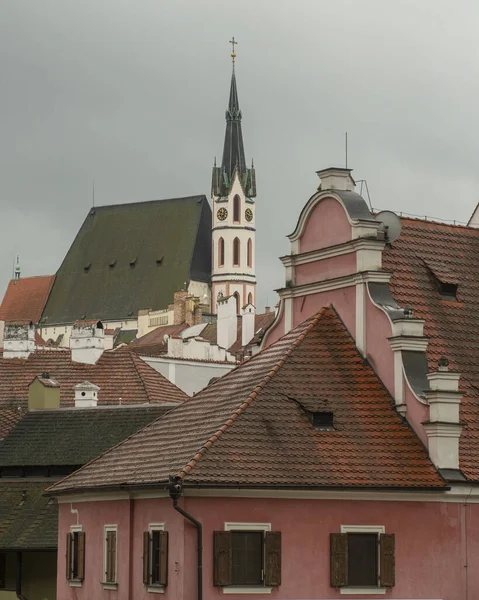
x,y
233,150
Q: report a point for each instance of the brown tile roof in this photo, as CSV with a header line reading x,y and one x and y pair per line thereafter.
x,y
25,299
424,252
153,343
120,374
8,418
252,427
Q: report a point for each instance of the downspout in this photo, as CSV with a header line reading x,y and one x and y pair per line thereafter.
x,y
18,585
176,489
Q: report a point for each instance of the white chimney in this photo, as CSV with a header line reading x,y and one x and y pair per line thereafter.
x,y
86,394
247,324
227,328
18,339
87,341
444,428
336,178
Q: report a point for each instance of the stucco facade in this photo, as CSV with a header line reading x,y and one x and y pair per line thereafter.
x,y
437,542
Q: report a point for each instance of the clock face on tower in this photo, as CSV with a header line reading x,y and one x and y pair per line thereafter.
x,y
248,214
222,214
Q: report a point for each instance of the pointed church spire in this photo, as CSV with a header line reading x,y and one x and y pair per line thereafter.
x,y
233,149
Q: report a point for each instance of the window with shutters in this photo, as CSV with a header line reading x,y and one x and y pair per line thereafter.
x,y
155,557
110,557
75,555
362,559
247,557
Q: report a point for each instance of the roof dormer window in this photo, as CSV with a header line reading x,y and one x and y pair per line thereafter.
x,y
322,421
448,291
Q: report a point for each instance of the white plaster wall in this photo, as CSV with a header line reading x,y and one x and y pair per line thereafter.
x,y
189,376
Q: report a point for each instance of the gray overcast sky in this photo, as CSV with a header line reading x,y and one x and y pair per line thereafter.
x,y
132,94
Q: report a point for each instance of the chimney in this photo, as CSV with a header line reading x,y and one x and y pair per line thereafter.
x,y
19,339
87,341
86,395
227,327
267,309
43,393
336,178
247,324
443,429
179,307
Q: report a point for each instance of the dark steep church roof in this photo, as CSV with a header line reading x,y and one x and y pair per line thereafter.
x,y
132,256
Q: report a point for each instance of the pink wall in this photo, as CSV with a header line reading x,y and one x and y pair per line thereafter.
x,y
326,269
327,225
343,300
430,545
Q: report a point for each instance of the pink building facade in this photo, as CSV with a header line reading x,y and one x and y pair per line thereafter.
x,y
437,542
349,443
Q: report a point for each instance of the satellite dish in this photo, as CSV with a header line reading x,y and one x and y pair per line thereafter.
x,y
392,224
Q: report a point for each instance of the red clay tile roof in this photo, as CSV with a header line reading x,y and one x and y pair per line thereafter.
x,y
120,374
8,418
423,252
252,426
26,298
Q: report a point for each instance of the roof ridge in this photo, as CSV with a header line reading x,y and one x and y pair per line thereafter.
x,y
194,197
190,465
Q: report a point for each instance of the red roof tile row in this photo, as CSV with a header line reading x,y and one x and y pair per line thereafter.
x,y
424,254
25,299
252,427
122,376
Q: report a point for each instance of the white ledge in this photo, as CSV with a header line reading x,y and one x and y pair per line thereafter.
x,y
362,590
155,589
239,589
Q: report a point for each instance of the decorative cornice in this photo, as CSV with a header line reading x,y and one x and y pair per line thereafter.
x,y
334,283
332,251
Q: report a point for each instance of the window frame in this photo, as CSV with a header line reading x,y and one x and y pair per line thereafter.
x,y
236,252
236,209
221,252
251,589
151,586
109,585
368,529
74,581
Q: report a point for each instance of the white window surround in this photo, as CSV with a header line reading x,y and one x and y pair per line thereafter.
x,y
75,582
377,529
238,589
110,585
154,588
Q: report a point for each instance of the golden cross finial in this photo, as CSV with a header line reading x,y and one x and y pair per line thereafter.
x,y
233,43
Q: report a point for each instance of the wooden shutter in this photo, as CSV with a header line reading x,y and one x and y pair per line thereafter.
x,y
81,555
163,558
111,556
272,558
68,556
146,557
3,570
222,557
339,559
387,562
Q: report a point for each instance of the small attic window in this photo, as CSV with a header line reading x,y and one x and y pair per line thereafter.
x,y
322,421
86,268
133,263
448,291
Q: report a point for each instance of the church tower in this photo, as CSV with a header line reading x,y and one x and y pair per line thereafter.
x,y
233,190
